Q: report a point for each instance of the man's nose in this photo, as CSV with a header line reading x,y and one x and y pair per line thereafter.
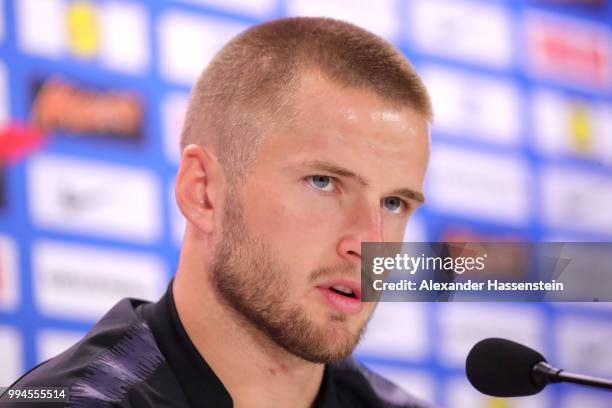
x,y
363,226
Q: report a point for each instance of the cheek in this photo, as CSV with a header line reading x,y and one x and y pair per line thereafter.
x,y
395,228
394,233
303,227
298,209
300,228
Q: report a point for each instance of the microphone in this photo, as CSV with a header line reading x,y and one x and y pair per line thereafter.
x,y
503,368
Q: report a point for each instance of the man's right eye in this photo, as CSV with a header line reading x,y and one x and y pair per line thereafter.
x,y
323,183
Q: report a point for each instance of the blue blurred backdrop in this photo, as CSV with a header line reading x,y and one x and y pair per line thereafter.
x,y
522,150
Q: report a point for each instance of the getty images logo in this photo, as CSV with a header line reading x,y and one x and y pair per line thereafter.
x,y
412,264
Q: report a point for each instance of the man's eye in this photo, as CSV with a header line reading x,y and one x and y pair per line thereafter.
x,y
323,183
394,204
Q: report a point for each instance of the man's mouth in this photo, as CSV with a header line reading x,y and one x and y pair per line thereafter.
x,y
344,296
343,290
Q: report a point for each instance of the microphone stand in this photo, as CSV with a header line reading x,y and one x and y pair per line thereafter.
x,y
544,373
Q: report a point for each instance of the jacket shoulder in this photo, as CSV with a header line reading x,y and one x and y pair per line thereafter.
x,y
118,353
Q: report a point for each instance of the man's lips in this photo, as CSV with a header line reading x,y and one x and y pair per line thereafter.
x,y
333,292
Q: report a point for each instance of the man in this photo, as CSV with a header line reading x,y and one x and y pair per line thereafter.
x,y
304,137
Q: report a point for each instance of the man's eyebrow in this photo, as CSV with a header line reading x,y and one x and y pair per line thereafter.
x,y
336,170
332,168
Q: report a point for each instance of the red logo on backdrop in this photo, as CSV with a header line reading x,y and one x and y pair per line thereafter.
x,y
18,140
570,51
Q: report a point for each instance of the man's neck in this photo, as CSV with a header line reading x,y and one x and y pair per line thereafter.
x,y
254,370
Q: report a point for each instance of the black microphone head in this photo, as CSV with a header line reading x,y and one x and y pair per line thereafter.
x,y
503,368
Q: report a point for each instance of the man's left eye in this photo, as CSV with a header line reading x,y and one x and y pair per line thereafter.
x,y
394,204
323,183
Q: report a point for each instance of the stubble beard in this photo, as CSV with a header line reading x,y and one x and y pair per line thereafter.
x,y
250,281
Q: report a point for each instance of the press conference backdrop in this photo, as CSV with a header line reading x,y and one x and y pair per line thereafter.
x,y
522,149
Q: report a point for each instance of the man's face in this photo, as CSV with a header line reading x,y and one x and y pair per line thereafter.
x,y
349,169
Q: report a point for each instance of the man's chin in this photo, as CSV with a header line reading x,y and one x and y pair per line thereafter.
x,y
342,324
326,353
336,338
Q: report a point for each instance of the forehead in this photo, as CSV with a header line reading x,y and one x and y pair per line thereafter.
x,y
351,127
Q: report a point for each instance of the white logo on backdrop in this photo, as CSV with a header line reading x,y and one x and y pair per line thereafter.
x,y
94,198
83,282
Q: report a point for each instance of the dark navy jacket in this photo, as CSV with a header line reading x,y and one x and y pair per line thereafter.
x,y
139,355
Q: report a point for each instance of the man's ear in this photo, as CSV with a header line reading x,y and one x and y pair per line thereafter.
x,y
200,187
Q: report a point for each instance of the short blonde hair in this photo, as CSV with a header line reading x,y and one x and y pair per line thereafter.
x,y
250,81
